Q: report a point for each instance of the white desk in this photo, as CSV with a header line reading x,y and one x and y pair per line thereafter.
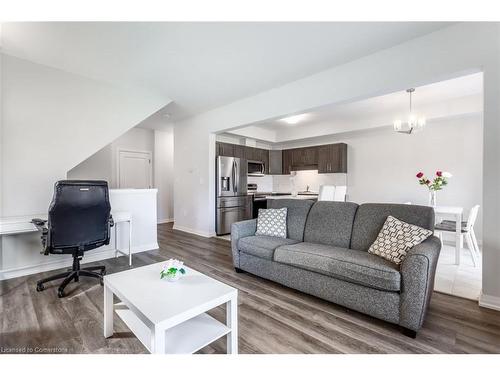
x,y
22,224
123,217
170,317
18,224
454,213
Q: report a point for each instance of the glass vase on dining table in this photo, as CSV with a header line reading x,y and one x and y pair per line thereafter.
x,y
432,198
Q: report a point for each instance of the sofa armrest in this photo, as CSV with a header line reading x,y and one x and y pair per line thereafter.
x,y
417,282
239,230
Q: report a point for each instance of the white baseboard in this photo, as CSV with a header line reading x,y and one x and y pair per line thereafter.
x,y
164,221
67,262
490,302
194,231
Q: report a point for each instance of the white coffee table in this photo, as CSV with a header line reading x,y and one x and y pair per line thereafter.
x,y
170,317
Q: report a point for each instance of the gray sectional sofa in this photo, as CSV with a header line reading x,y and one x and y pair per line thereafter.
x,y
326,254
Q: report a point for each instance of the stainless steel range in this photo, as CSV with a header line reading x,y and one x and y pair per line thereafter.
x,y
233,203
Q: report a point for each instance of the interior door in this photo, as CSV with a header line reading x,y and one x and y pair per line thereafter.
x,y
134,170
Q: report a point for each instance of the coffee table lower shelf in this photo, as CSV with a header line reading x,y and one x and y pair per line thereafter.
x,y
185,338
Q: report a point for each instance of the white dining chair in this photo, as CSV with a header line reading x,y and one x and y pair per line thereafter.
x,y
335,193
340,193
467,232
326,193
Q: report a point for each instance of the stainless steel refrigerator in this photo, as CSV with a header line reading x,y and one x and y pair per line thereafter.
x,y
233,202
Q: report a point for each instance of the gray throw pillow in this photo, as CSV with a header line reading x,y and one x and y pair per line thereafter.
x,y
271,222
395,239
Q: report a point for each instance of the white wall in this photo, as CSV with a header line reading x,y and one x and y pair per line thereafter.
x,y
164,174
103,164
450,52
382,164
52,120
98,166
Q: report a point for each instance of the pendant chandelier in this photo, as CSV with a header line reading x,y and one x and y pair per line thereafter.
x,y
414,122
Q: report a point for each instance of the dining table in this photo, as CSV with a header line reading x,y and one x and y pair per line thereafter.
x,y
453,213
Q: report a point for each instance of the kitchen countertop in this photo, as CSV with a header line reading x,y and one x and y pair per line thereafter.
x,y
261,195
308,196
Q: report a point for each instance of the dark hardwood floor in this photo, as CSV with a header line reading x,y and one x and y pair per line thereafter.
x,y
272,318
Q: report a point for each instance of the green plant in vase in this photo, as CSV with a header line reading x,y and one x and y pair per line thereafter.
x,y
172,270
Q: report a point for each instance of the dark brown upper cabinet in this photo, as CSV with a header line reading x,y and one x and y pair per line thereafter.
x,y
332,158
239,151
264,157
287,161
304,158
244,152
250,153
275,162
224,149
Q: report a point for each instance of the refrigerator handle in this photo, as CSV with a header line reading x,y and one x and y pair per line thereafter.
x,y
236,175
233,176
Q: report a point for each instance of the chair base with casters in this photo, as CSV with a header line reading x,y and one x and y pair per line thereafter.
x,y
73,274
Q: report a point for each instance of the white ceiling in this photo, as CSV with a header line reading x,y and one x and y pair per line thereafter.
x,y
453,97
202,65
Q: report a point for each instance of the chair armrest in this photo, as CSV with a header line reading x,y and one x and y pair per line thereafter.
x,y
239,230
417,282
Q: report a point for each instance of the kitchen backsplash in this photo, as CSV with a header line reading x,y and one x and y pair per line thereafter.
x,y
264,183
283,184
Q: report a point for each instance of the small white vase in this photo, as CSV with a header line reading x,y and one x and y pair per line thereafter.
x,y
432,198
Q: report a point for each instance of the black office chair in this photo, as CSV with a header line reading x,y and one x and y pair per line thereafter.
x,y
79,220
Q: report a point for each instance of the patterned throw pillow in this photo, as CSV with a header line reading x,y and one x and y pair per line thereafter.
x,y
395,239
271,222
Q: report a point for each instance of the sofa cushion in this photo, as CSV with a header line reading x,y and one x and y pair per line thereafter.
x,y
370,218
262,246
296,215
355,266
271,222
330,223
